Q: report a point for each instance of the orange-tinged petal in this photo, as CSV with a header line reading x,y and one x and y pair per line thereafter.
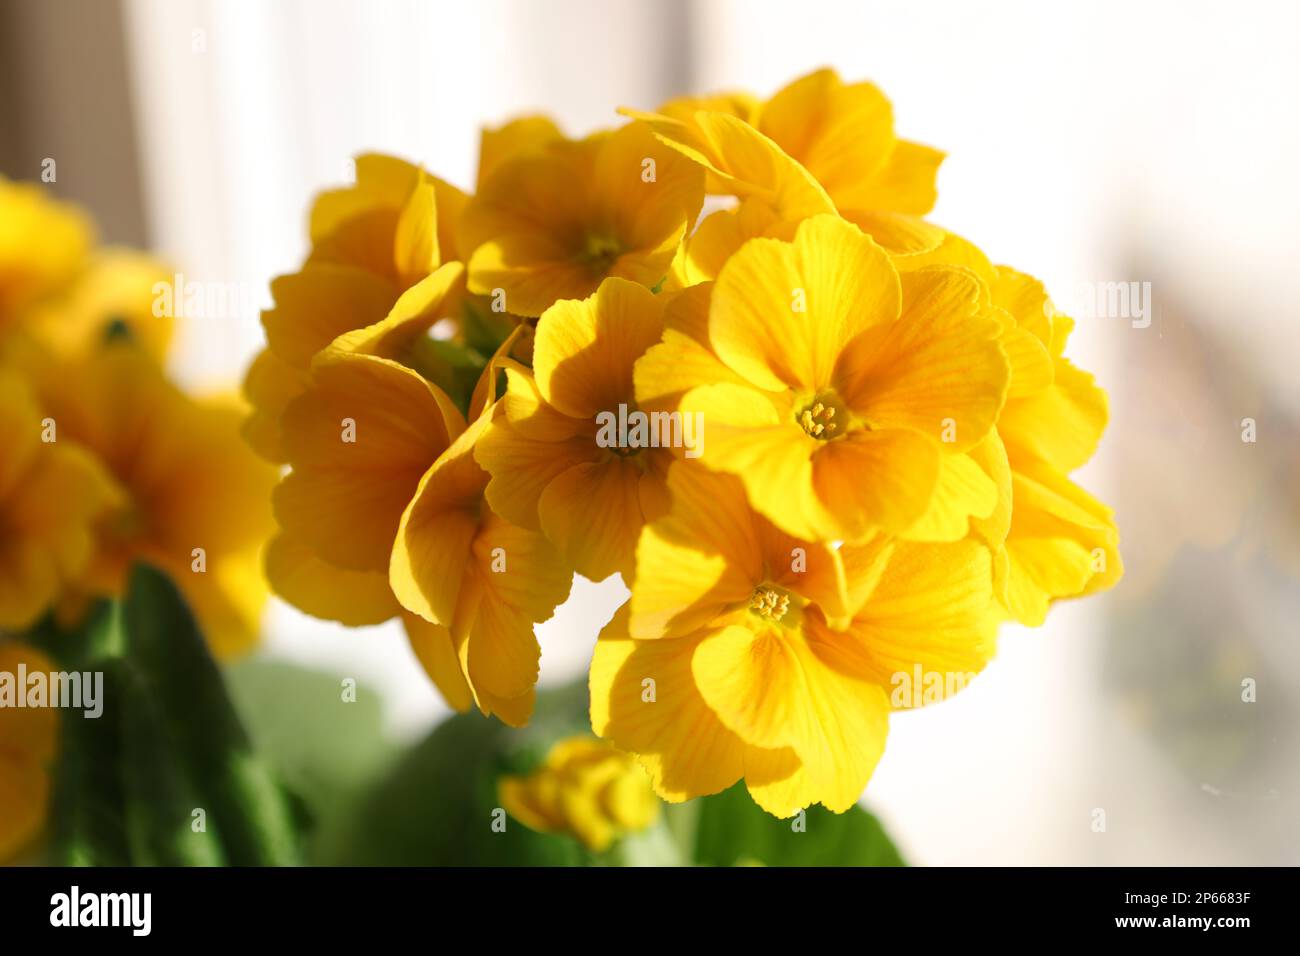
x,y
870,480
931,612
938,370
319,303
433,648
522,464
433,298
496,146
270,385
592,513
301,577
359,440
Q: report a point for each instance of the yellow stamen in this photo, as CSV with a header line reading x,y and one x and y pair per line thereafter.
x,y
818,420
769,603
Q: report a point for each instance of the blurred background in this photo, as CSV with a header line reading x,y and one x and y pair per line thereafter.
x,y
1090,143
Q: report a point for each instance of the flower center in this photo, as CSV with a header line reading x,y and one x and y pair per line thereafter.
x,y
769,603
824,417
599,252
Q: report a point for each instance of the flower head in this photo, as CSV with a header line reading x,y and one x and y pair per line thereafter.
x,y
556,463
584,788
751,654
851,388
553,222
191,499
52,494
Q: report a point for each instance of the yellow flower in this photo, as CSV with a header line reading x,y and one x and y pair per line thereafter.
x,y
527,134
359,437
480,583
51,494
584,788
28,744
364,437
852,391
371,242
553,468
746,653
1062,542
113,297
1051,539
43,244
816,146
193,501
552,222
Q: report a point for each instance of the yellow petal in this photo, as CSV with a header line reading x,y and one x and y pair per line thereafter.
x,y
316,305
804,691
592,513
938,370
644,699
905,183
841,134
519,136
782,312
585,351
434,649
1060,424
359,440
931,612
411,317
964,492
301,577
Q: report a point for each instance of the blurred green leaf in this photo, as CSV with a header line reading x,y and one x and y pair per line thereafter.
x,y
452,367
238,790
436,808
167,743
325,750
731,830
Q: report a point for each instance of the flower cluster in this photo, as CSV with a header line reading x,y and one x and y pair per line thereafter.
x,y
105,462
825,443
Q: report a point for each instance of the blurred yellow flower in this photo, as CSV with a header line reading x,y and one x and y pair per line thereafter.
x,y
192,499
43,244
586,789
552,222
51,495
116,295
28,744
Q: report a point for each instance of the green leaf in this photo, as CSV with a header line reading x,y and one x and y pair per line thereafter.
x,y
437,806
159,798
88,807
235,787
452,367
324,749
729,829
